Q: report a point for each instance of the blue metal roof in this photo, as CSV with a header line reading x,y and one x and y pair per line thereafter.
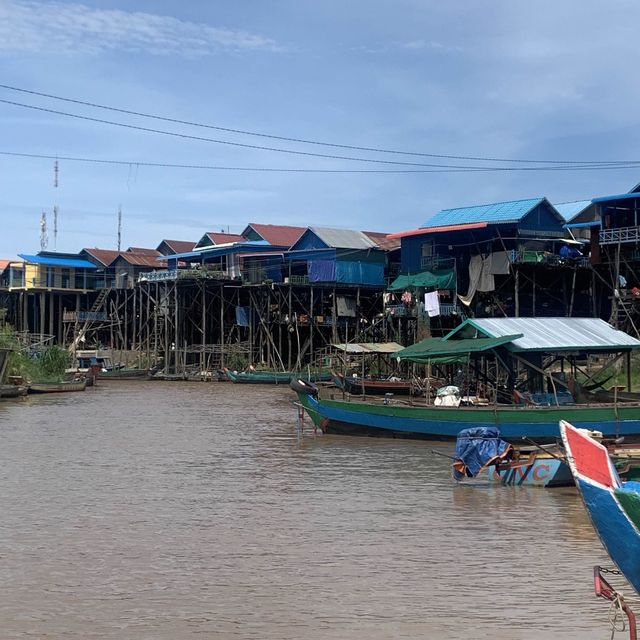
x,y
621,196
76,263
498,212
569,210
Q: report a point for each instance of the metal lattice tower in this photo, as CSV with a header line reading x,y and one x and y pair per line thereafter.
x,y
44,238
119,226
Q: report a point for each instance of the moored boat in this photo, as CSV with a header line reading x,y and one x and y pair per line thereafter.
x,y
57,387
613,505
517,374
12,390
274,377
375,387
481,454
539,423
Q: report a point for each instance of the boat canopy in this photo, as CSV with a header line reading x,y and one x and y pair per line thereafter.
x,y
445,279
553,335
429,349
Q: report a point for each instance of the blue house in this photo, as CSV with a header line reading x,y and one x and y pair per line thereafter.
x,y
340,256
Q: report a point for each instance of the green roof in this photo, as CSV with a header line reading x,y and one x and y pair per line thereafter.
x,y
444,279
430,348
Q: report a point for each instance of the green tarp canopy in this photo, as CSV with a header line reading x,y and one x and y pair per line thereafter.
x,y
444,279
429,349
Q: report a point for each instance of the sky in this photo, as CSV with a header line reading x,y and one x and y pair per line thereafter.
x,y
507,79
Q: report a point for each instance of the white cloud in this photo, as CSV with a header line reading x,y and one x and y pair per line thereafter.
x,y
58,27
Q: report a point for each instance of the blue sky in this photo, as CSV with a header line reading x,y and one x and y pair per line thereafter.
x,y
508,79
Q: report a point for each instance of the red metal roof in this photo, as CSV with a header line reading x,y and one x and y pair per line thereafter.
x,y
452,227
383,240
4,264
143,259
279,235
178,246
104,256
142,251
224,238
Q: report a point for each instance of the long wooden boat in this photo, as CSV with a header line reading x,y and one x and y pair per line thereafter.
x,y
374,387
539,423
124,374
613,506
57,387
274,377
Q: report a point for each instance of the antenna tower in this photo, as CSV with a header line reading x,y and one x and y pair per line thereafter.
x,y
55,207
119,225
44,238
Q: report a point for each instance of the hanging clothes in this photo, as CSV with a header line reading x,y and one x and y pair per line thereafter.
x,y
432,304
346,306
480,277
407,298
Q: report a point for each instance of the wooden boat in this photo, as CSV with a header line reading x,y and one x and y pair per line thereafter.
x,y
57,387
539,423
274,377
124,374
374,387
613,505
481,454
12,390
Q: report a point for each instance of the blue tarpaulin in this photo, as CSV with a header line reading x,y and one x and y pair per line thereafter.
x,y
351,272
476,448
242,316
321,270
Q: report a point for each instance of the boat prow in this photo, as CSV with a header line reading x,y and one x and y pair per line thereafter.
x,y
613,506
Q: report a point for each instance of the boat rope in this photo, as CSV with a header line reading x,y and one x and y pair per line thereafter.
x,y
616,619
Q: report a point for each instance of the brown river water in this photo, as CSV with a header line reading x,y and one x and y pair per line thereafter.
x,y
171,510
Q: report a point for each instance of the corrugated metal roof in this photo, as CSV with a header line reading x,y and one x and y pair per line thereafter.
x,y
178,246
143,251
569,210
620,196
343,238
435,347
76,263
224,238
280,235
4,264
143,259
424,230
103,256
384,241
498,212
369,347
556,334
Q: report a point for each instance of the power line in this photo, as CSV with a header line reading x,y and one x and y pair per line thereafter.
x,y
303,140
170,165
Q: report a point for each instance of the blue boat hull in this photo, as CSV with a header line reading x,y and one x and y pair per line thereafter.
x,y
540,423
619,535
545,472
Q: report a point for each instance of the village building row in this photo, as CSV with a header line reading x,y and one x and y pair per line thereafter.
x,y
281,294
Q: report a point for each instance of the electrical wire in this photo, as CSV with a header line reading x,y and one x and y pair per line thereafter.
x,y
303,140
171,165
604,165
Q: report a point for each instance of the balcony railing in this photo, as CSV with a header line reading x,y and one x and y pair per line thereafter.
x,y
435,263
624,234
158,276
85,316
